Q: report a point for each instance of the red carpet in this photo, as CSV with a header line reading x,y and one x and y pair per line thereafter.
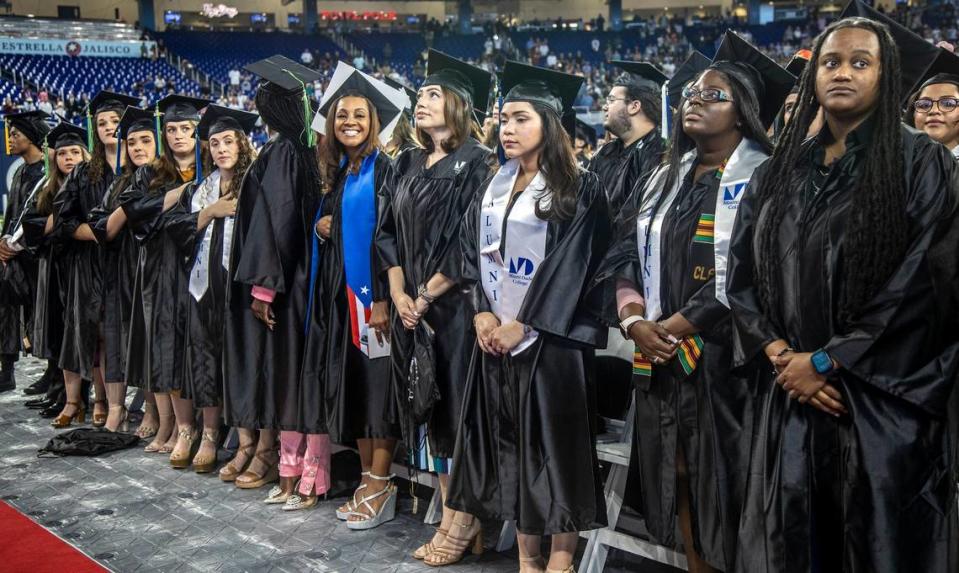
x,y
25,547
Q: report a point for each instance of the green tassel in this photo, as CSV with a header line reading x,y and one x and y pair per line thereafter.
x,y
307,112
159,131
89,132
46,158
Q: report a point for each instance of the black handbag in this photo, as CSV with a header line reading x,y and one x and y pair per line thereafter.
x,y
421,390
87,442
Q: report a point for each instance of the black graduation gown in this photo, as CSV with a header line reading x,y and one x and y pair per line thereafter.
x,y
355,388
707,413
79,263
118,265
418,230
158,320
876,483
271,249
47,333
24,180
203,347
623,169
526,445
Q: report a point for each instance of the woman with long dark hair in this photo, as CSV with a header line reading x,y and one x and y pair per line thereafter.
x,y
79,260
270,270
348,342
417,242
118,262
842,279
202,226
691,432
157,325
68,145
533,240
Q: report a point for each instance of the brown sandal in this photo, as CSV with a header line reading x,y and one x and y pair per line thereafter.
x,y
454,548
232,469
253,480
429,546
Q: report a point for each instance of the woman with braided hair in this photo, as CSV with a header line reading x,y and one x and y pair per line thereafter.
x,y
841,291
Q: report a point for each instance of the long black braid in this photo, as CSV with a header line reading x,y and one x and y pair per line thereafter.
x,y
282,111
876,231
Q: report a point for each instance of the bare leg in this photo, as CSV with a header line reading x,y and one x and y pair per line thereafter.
x,y
244,453
265,459
151,419
211,427
74,386
562,549
380,454
100,395
165,414
186,426
530,553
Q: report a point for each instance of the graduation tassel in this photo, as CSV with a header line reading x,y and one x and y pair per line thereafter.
x,y
46,158
6,137
307,112
667,111
500,152
159,134
116,170
199,157
89,131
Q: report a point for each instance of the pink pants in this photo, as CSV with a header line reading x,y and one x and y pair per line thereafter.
x,y
306,456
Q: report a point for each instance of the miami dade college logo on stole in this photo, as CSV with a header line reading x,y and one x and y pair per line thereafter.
x,y
521,268
731,194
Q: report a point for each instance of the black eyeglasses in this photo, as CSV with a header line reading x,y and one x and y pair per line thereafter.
x,y
708,95
946,104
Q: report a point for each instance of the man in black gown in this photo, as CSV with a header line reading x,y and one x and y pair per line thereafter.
x,y
26,133
632,110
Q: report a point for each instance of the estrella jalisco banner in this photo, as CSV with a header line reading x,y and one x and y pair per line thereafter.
x,y
68,47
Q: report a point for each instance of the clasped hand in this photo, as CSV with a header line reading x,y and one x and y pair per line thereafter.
x,y
797,376
654,341
494,338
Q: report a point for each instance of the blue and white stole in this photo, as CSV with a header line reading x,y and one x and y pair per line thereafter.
x,y
506,277
206,194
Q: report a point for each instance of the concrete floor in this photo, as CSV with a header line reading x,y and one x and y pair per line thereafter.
x,y
131,512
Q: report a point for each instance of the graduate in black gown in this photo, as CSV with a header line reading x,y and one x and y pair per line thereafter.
x,y
201,224
270,268
79,259
119,253
693,416
934,107
633,111
69,145
417,242
402,137
584,143
25,134
157,338
532,244
348,340
843,279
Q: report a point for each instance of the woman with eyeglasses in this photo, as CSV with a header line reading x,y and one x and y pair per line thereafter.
x,y
691,434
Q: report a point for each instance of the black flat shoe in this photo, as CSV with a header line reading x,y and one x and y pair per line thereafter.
x,y
40,403
39,387
53,411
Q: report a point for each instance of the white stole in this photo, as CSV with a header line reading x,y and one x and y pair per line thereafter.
x,y
207,194
506,278
649,225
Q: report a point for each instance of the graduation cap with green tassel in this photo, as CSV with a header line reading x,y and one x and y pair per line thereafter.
x,y
133,120
290,76
63,135
175,108
103,102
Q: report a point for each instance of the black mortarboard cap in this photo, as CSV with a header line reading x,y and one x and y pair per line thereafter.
x,y
588,132
66,134
181,108
32,124
771,81
642,74
358,84
110,101
217,119
135,119
410,93
470,82
555,90
694,65
915,53
283,72
944,70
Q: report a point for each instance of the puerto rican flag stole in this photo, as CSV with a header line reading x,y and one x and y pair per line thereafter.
x,y
359,223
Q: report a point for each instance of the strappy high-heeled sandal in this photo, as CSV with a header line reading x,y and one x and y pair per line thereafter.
x,y
344,514
535,563
182,459
148,430
371,518
278,494
159,442
253,480
459,540
569,569
99,420
232,469
65,421
124,424
429,546
206,464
